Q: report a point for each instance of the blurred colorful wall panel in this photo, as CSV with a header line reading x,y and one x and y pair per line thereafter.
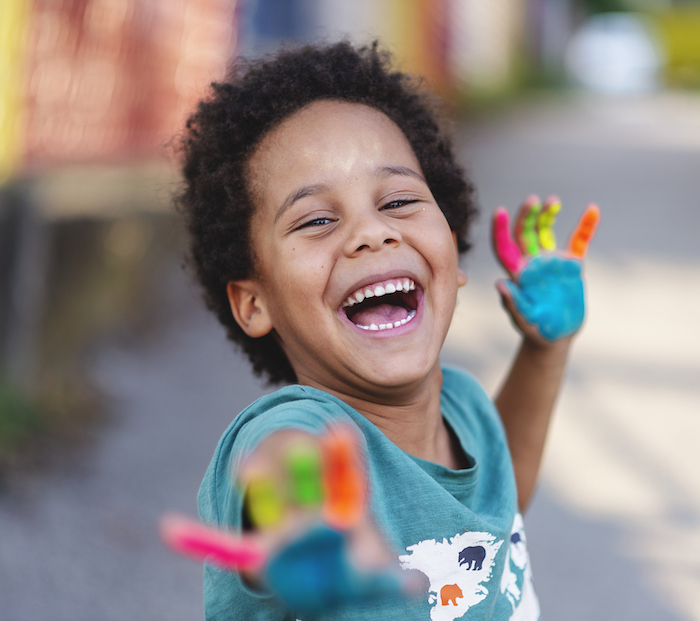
x,y
13,20
111,80
679,31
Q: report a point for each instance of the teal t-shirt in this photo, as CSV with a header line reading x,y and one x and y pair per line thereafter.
x,y
460,528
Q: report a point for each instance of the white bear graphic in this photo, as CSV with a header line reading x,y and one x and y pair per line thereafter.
x,y
458,570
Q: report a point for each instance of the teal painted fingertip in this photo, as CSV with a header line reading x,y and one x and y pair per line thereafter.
x,y
550,295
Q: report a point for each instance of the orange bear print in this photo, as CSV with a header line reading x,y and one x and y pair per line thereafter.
x,y
450,593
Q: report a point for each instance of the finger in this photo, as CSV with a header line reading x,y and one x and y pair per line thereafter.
x,y
304,468
278,477
197,541
515,302
345,486
584,232
526,226
545,223
503,287
504,246
264,501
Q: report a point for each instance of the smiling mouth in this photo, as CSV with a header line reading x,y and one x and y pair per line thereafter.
x,y
384,305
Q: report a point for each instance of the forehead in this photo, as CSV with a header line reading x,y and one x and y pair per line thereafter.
x,y
326,140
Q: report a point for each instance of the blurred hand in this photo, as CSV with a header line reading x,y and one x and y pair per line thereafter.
x,y
313,544
544,296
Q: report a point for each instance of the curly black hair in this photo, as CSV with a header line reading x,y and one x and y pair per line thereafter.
x,y
255,97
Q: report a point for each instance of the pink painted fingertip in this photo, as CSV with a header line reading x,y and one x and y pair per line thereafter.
x,y
193,539
504,245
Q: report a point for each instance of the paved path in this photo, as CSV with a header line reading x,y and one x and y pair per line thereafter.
x,y
614,531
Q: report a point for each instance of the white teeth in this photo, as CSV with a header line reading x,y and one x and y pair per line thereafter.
x,y
388,326
403,284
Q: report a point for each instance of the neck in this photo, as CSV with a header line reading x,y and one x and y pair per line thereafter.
x,y
411,419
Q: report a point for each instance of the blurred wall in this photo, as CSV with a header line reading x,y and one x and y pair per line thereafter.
x,y
105,80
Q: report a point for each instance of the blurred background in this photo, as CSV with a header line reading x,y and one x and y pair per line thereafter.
x,y
115,383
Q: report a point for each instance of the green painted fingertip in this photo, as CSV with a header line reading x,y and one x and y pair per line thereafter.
x,y
529,231
304,467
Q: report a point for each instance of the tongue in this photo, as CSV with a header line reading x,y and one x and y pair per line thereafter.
x,y
379,314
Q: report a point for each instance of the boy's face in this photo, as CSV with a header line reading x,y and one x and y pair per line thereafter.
x,y
343,212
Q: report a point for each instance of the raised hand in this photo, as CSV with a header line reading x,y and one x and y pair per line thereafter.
x,y
544,295
313,545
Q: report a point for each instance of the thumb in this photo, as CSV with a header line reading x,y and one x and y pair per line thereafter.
x,y
516,304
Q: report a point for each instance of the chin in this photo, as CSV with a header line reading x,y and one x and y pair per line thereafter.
x,y
401,376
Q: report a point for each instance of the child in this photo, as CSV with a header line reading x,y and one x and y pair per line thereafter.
x,y
326,215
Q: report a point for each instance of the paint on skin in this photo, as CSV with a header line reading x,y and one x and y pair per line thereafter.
x,y
304,468
549,294
506,248
528,234
585,230
344,481
314,574
193,539
545,226
263,502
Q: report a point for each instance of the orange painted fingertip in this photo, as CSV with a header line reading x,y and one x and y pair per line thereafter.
x,y
580,240
344,480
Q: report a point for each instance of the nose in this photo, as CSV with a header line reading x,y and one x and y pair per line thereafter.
x,y
371,232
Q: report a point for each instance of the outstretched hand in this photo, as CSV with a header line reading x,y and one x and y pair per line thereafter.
x,y
544,296
313,544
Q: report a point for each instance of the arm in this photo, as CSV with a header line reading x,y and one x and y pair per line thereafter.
x,y
545,301
526,402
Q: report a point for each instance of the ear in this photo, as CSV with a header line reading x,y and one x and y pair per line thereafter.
x,y
461,274
248,308
461,277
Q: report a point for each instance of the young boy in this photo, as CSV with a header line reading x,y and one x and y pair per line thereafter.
x,y
326,215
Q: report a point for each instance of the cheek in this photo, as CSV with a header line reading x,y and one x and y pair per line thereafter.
x,y
439,242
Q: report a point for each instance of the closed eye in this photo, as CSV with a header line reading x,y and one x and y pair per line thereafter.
x,y
399,203
314,222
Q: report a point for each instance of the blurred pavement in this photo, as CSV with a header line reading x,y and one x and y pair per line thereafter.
x,y
614,530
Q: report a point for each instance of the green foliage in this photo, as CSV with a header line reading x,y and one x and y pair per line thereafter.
x,y
19,417
606,6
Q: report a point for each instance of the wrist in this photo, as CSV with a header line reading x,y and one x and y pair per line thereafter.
x,y
551,352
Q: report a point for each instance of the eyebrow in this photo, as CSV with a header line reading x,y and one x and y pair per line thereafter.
x,y
388,171
309,190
